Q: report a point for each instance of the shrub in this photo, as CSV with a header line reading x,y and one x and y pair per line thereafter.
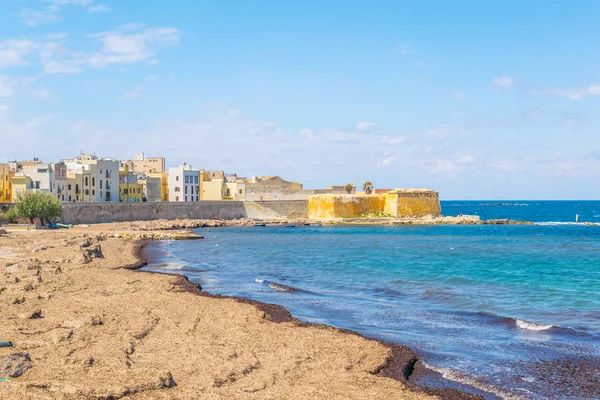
x,y
37,205
11,214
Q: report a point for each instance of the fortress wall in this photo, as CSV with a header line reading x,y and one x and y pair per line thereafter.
x,y
397,203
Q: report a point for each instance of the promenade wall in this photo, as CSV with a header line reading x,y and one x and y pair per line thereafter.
x,y
88,213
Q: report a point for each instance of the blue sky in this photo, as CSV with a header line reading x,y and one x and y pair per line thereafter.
x,y
478,100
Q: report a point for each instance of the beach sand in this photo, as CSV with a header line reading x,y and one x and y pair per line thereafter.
x,y
85,327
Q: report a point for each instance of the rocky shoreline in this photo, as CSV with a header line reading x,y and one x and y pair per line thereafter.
x,y
159,225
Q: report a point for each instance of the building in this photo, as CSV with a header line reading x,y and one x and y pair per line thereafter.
x,y
144,165
21,184
42,175
152,188
92,179
271,188
213,185
163,178
5,183
60,181
130,191
235,191
184,183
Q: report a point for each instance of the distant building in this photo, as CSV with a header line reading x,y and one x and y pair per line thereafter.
x,y
270,188
163,179
92,179
144,165
213,185
130,191
5,183
184,184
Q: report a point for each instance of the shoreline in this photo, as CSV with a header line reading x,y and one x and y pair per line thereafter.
x,y
402,365
85,322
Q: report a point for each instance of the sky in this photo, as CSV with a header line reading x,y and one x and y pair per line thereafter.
x,y
475,99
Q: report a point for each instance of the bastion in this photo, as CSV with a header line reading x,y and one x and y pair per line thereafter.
x,y
397,203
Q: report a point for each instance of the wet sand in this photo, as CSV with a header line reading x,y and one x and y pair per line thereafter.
x,y
85,325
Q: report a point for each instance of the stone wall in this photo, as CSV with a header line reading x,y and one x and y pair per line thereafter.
x,y
89,213
397,203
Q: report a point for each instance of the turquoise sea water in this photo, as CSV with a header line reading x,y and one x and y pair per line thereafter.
x,y
508,309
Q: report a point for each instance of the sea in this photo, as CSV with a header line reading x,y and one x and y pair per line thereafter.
x,y
510,311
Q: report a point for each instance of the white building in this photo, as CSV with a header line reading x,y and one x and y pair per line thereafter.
x,y
41,175
184,184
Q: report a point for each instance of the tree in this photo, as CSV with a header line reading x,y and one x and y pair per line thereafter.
x,y
368,187
37,205
349,187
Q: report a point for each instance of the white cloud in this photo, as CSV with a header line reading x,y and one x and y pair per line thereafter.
x,y
570,93
51,14
81,3
406,48
128,44
6,87
152,77
386,161
365,126
99,8
458,95
42,93
504,81
14,52
137,91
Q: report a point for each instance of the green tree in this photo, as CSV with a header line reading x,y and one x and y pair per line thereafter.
x,y
37,205
368,187
11,214
349,187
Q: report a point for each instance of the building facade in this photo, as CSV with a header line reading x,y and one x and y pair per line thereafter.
x,y
5,183
184,184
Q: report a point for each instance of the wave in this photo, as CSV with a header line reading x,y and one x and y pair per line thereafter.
x,y
556,223
279,287
532,326
469,380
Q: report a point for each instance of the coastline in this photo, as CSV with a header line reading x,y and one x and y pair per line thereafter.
x,y
402,365
88,324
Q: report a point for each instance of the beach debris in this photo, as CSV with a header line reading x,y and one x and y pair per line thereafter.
x,y
36,314
42,248
6,344
89,253
16,365
19,300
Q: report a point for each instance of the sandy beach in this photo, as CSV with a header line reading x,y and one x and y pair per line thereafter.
x,y
85,325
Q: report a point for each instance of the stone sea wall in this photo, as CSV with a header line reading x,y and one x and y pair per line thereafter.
x,y
89,213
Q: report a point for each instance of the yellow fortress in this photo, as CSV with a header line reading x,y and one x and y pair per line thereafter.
x,y
397,203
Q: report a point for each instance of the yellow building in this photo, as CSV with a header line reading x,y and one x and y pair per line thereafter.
x,y
20,185
130,191
5,183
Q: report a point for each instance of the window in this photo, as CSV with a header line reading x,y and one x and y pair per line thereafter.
x,y
176,198
196,179
86,181
70,198
240,191
185,190
178,189
42,170
87,192
185,198
100,193
100,183
177,179
93,192
93,181
69,188
196,198
187,179
124,191
197,189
